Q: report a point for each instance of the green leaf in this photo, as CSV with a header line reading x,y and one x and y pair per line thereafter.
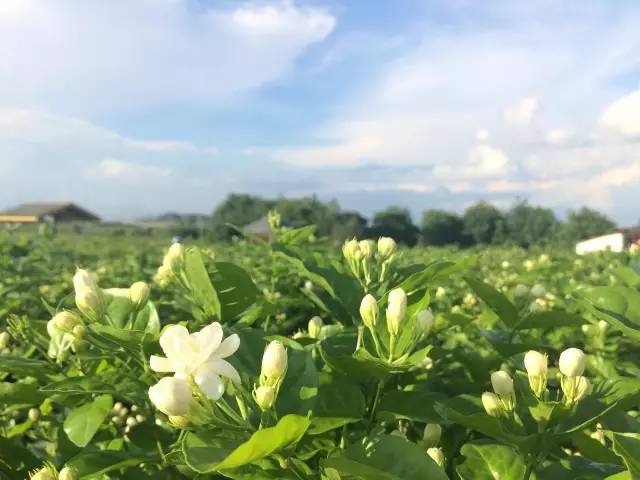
x,y
550,319
300,387
202,290
96,464
83,422
412,405
214,451
490,461
495,300
386,457
235,289
339,402
25,367
627,445
20,393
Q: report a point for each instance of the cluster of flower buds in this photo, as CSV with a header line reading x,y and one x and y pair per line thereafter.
x,y
123,416
503,398
172,262
430,441
360,255
67,332
574,386
90,298
274,368
49,472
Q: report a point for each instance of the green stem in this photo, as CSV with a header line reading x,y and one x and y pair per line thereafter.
x,y
374,405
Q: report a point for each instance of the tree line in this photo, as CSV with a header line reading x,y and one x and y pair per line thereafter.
x,y
480,224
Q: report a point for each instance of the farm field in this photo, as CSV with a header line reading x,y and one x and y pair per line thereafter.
x,y
131,358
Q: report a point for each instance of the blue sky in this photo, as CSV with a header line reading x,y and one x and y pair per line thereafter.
x,y
137,107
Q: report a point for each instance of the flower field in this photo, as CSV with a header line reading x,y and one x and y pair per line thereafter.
x,y
133,358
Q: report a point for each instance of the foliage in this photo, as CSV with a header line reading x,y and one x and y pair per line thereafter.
x,y
307,380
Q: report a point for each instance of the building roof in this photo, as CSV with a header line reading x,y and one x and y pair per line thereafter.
x,y
42,209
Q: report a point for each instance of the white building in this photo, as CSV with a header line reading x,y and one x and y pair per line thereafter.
x,y
614,242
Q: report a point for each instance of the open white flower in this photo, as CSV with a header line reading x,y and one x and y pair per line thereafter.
x,y
199,354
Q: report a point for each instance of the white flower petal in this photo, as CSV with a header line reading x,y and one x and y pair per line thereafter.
x,y
170,340
209,339
228,347
161,364
209,382
224,369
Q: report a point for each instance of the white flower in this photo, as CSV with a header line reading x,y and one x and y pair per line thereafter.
x,y
424,321
582,387
4,340
535,363
84,280
351,249
440,292
200,354
572,362
369,311
386,246
274,361
172,396
502,383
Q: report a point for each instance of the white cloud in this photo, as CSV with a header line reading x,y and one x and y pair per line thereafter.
x,y
523,112
623,115
482,135
129,171
558,136
104,55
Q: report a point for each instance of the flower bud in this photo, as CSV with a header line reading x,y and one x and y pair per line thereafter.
x,y
572,362
315,326
367,247
79,331
582,388
265,396
437,455
424,321
176,251
172,396
431,435
84,280
396,310
179,421
34,414
369,311
521,291
502,383
386,246
538,291
350,249
535,363
274,362
492,405
66,321
90,303
43,474
163,275
68,473
4,340
440,292
139,294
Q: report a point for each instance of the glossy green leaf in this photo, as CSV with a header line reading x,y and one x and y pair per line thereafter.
x,y
490,461
83,422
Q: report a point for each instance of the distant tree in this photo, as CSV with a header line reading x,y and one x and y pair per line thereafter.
x,y
527,225
348,225
480,222
440,227
237,209
394,222
298,212
586,223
